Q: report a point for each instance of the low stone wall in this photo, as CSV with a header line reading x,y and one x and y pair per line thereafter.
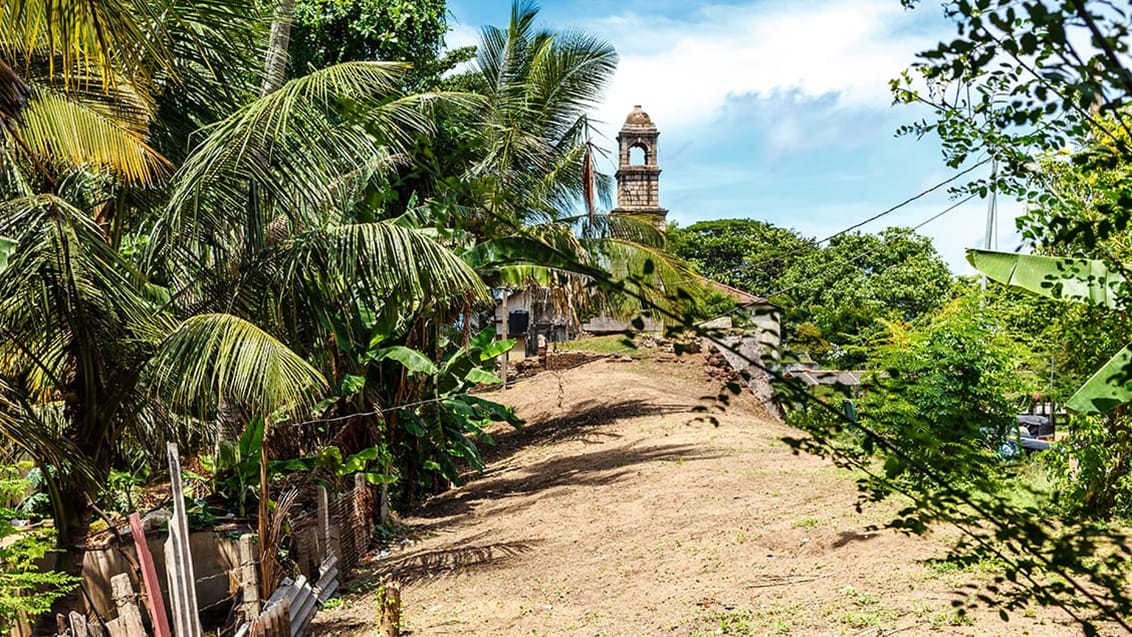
x,y
739,350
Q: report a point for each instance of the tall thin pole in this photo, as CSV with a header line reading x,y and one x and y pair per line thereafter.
x,y
992,205
992,210
506,355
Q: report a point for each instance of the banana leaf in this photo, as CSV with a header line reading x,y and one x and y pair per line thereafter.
x,y
1084,280
1108,388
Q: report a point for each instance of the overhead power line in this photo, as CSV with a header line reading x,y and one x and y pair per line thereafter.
x,y
905,202
866,253
793,253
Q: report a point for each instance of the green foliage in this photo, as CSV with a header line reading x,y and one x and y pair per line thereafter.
x,y
328,32
122,489
1024,82
715,304
1021,81
24,587
845,289
235,466
744,253
1092,468
835,296
444,431
946,392
1091,465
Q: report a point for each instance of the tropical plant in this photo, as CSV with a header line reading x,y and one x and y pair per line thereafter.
x,y
1093,464
946,391
1081,280
25,588
839,294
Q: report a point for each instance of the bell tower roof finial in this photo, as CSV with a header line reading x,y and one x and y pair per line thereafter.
x,y
638,118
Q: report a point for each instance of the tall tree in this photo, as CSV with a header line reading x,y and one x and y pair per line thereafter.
x,y
328,32
1025,80
847,287
748,254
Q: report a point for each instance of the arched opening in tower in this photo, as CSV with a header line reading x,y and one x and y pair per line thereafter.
x,y
638,156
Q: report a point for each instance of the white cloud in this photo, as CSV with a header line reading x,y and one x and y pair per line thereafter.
x,y
684,71
460,35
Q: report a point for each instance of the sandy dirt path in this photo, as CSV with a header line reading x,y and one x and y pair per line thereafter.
x,y
617,512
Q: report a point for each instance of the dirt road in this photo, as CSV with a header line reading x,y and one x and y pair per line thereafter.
x,y
617,512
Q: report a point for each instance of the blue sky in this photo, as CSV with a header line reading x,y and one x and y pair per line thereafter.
x,y
772,109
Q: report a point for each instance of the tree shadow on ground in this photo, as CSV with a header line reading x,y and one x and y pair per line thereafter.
x,y
847,537
583,422
601,467
450,562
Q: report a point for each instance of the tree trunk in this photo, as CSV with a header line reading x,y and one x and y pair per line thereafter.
x,y
274,74
275,65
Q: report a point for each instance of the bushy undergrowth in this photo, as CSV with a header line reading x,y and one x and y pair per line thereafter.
x,y
24,586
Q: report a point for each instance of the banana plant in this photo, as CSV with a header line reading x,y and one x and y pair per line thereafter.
x,y
1082,280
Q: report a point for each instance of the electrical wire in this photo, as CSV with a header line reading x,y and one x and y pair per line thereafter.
x,y
905,202
792,253
866,253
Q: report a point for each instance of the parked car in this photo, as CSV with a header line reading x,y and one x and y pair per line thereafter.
x,y
1031,437
1029,442
1038,426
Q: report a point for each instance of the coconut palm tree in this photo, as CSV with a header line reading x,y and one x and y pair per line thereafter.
x,y
536,176
143,324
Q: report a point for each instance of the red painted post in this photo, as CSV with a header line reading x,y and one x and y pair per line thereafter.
x,y
155,603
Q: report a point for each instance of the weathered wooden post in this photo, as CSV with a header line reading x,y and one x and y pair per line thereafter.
x,y
179,560
78,624
389,603
363,518
249,577
324,546
129,622
155,603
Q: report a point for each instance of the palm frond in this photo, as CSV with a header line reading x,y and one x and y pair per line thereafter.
x,y
219,357
381,270
37,430
648,277
534,126
295,146
64,131
102,34
634,228
568,77
64,282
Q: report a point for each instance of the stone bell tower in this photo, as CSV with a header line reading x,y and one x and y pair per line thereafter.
x,y
638,176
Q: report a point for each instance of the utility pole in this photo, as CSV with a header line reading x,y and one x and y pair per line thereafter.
x,y
992,210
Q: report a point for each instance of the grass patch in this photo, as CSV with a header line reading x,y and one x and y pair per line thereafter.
x,y
769,621
985,565
613,344
951,618
806,523
866,611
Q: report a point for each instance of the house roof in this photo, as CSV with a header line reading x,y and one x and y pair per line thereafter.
x,y
741,297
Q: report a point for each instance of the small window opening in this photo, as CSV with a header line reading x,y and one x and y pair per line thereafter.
x,y
637,156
